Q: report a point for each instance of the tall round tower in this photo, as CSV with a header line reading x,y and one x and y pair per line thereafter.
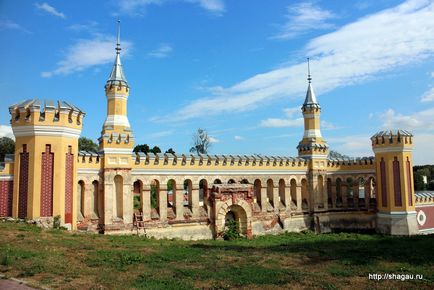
x,y
314,148
46,145
395,195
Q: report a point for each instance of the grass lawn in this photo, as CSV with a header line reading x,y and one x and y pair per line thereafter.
x,y
63,260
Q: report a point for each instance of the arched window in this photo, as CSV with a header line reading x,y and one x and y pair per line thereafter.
x,y
282,191
270,188
257,189
217,181
231,181
203,191
293,184
304,195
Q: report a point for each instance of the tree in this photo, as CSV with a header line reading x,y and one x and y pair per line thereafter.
x,y
155,150
201,142
86,144
142,148
418,181
335,154
7,146
170,150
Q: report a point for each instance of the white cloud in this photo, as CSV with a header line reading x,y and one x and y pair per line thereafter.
x,y
216,6
6,131
7,24
161,134
90,26
422,120
354,146
428,96
87,53
432,74
161,52
50,10
213,140
303,17
137,7
423,153
238,138
349,55
328,126
289,121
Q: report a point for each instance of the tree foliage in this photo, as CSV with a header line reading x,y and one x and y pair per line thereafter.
x,y
146,149
170,150
335,154
7,146
87,144
201,142
419,172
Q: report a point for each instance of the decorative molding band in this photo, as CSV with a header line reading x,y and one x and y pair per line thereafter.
x,y
122,151
57,131
215,172
117,96
6,177
88,171
392,149
397,213
339,172
117,120
423,205
312,133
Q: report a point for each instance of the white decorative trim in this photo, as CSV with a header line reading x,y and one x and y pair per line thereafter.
x,y
57,131
116,120
312,133
117,96
392,149
423,205
427,230
397,213
322,156
421,217
118,151
339,172
6,177
215,172
87,171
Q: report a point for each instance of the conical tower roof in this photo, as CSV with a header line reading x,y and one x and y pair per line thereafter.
x,y
117,76
310,100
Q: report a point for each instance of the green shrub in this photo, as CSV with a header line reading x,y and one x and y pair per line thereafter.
x,y
56,222
231,230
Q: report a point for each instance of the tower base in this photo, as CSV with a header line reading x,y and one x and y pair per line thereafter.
x,y
397,223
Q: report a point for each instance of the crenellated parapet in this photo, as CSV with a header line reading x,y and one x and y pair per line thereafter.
x,y
38,113
219,161
392,140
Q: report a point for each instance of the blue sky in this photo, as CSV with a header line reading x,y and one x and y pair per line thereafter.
x,y
235,68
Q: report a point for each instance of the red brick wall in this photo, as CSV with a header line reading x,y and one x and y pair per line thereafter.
x,y
6,192
69,175
47,182
23,183
425,217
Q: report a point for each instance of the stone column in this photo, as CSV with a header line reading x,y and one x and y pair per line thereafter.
x,y
287,197
127,203
162,202
333,195
356,195
195,201
276,198
344,193
299,198
178,196
264,199
145,198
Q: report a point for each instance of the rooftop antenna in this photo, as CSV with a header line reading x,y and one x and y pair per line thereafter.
x,y
118,45
309,78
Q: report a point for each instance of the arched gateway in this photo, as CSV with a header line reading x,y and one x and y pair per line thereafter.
x,y
232,201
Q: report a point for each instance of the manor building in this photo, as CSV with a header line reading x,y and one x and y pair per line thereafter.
x,y
116,191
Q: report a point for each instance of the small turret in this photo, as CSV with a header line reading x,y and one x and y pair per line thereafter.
x,y
46,145
394,168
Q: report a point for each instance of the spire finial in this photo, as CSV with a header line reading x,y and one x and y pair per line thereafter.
x,y
118,45
309,78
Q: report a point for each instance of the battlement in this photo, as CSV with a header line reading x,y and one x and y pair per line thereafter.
x,y
116,87
332,162
46,113
424,198
117,138
398,139
218,160
88,157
